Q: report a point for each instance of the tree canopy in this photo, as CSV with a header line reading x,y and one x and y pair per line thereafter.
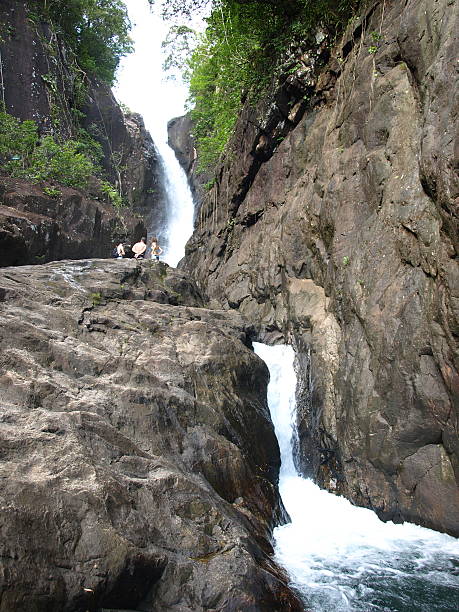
x,y
97,31
244,44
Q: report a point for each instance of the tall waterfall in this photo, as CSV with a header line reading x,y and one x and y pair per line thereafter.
x,y
142,87
340,557
180,205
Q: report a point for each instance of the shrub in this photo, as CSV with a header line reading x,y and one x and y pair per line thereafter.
x,y
243,47
24,154
17,141
61,162
52,192
112,194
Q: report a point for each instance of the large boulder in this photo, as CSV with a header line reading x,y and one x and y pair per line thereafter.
x,y
139,464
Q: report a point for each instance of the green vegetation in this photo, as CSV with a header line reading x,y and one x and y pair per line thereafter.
x,y
208,186
52,192
246,43
112,194
375,36
24,154
96,299
96,30
96,36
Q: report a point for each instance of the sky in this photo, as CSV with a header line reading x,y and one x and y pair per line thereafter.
x,y
142,85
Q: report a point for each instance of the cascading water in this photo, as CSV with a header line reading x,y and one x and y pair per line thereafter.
x,y
341,557
180,216
142,87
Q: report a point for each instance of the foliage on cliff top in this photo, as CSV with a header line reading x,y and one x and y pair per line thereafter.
x,y
242,48
96,30
23,154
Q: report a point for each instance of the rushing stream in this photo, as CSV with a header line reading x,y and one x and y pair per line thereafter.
x,y
341,557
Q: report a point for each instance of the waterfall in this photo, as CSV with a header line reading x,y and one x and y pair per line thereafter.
x,y
142,86
180,205
340,557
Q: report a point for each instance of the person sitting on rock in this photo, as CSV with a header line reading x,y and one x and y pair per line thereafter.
x,y
120,252
156,250
139,248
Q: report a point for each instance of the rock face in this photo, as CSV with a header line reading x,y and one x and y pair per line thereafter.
x,y
139,464
37,77
142,176
130,156
40,80
180,139
36,228
343,239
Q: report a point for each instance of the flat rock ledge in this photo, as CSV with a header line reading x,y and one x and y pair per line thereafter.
x,y
138,461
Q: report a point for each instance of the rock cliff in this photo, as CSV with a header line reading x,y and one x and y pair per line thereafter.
x,y
35,228
181,140
40,80
131,159
139,464
333,225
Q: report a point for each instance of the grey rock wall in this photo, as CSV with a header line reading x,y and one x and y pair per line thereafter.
x,y
131,159
36,227
139,464
342,239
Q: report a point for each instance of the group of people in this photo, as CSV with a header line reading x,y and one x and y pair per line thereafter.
x,y
139,249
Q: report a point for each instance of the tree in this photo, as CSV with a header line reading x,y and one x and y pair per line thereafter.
x,y
244,45
97,31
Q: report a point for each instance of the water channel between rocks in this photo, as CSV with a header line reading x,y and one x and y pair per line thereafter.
x,y
340,557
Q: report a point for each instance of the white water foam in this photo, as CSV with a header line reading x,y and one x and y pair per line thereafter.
x,y
341,557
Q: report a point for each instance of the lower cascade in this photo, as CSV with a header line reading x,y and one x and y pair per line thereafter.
x,y
338,556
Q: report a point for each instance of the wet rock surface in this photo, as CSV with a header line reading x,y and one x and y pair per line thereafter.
x,y
343,240
138,463
179,132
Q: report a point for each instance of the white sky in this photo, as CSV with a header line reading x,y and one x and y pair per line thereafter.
x,y
141,82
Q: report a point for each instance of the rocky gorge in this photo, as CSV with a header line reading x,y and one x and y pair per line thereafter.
x,y
333,225
139,464
138,461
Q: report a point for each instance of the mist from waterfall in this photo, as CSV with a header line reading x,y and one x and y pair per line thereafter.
x,y
143,88
341,557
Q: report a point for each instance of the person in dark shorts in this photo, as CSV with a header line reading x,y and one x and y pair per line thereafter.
x,y
156,250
